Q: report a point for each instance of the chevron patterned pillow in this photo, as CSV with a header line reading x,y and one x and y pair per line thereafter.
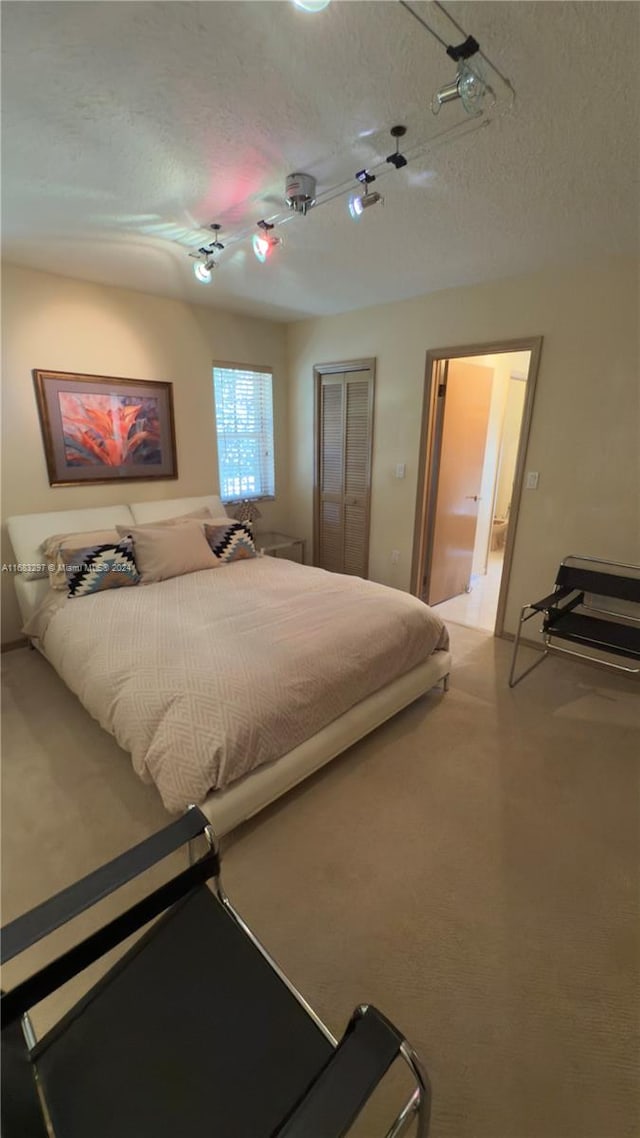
x,y
233,542
100,567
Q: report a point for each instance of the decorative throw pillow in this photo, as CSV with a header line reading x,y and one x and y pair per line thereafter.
x,y
230,542
53,548
99,567
170,551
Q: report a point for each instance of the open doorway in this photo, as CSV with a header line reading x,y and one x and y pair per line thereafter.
x,y
478,403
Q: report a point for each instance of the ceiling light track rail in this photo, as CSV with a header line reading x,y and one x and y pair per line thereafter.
x,y
381,169
478,85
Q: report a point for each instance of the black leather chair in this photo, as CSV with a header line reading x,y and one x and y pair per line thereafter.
x,y
194,1031
576,613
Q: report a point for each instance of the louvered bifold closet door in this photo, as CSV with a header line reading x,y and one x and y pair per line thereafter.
x,y
344,474
331,520
357,450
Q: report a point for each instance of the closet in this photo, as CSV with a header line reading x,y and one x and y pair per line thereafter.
x,y
342,484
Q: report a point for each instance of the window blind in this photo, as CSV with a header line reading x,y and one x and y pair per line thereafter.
x,y
244,426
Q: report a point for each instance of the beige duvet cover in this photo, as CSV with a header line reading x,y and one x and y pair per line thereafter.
x,y
206,676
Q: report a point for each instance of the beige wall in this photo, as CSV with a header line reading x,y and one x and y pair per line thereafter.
x,y
585,432
66,325
584,441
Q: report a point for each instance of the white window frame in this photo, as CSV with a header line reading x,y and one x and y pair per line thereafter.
x,y
255,483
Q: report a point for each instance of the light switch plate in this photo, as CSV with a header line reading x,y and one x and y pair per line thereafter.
x,y
401,469
533,477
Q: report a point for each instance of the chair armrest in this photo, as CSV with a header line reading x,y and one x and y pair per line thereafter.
x,y
552,599
51,914
368,1048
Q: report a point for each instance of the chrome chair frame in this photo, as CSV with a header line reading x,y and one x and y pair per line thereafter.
x,y
193,826
547,604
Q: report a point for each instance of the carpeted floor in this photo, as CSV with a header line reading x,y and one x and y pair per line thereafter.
x,y
472,869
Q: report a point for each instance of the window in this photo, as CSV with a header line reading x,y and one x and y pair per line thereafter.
x,y
244,425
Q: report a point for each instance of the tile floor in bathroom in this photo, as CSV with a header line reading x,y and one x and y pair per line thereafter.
x,y
478,608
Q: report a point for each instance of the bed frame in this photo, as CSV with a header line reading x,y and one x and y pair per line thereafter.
x,y
227,808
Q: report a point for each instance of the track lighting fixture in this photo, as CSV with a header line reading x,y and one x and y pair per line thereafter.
x,y
359,202
478,84
469,85
205,263
398,160
264,242
203,270
300,192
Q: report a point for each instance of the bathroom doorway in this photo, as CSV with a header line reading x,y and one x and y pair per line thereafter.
x,y
478,403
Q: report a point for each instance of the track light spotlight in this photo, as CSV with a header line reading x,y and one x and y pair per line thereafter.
x,y
205,263
469,86
203,270
264,242
359,202
262,246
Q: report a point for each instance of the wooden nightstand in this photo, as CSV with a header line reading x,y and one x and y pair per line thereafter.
x,y
280,545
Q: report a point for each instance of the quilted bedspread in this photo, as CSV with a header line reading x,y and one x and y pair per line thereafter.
x,y
206,676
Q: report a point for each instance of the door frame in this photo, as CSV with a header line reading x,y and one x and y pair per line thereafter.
x,y
319,370
429,456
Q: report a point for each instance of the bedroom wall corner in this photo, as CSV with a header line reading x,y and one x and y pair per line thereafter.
x,y
65,324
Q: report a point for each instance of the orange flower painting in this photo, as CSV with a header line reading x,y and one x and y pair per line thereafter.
x,y
109,430
101,428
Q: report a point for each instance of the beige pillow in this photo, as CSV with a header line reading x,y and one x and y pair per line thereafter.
x,y
169,551
53,547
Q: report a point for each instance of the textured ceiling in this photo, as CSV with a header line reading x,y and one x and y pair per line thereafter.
x,y
126,126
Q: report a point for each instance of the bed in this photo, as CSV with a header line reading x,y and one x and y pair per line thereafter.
x,y
229,686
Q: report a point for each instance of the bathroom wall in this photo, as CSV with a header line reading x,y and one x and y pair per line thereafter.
x,y
514,407
503,364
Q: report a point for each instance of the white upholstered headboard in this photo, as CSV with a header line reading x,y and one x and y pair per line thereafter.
x,y
28,531
173,507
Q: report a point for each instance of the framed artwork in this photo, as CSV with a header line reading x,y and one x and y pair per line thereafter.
x,y
98,428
